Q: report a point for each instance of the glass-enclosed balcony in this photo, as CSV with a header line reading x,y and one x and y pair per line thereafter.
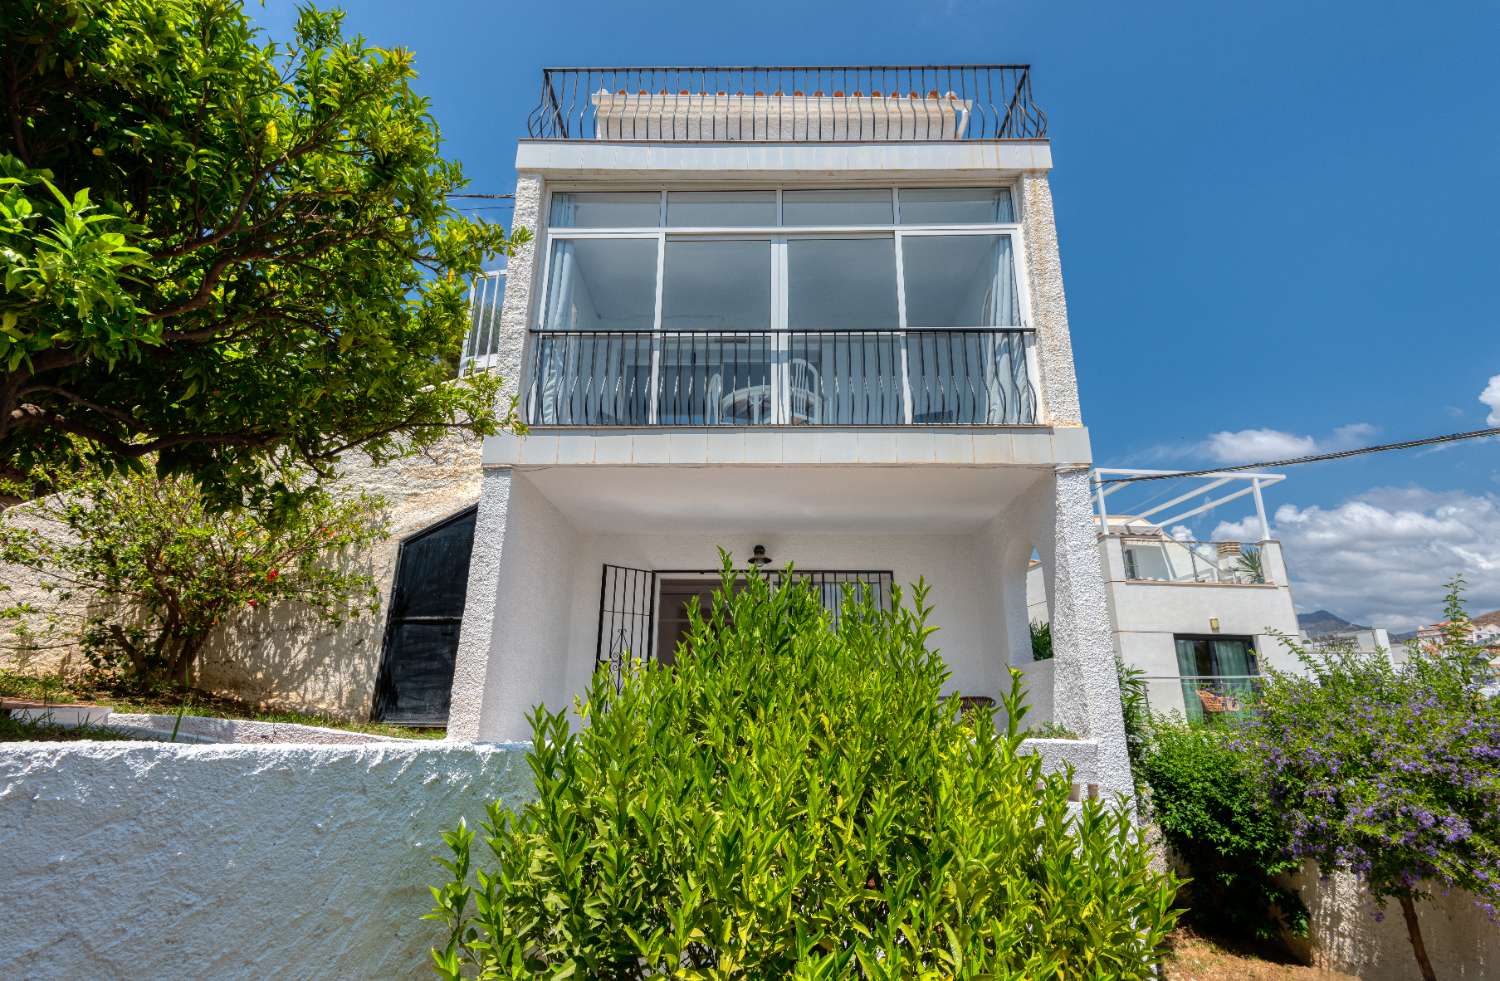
x,y
862,306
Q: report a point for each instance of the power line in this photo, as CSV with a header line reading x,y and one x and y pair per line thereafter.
x,y
1313,458
493,197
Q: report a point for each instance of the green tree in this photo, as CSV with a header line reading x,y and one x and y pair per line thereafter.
x,y
222,253
139,570
795,798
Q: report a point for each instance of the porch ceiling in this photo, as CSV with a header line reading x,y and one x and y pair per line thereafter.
x,y
831,499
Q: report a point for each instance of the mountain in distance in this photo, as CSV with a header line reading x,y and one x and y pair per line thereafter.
x,y
1320,623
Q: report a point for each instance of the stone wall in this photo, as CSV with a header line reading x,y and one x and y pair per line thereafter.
x,y
282,656
153,860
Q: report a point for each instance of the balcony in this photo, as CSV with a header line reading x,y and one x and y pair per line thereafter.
x,y
818,104
1177,560
912,377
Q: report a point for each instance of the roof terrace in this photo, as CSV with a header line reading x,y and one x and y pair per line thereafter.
x,y
780,104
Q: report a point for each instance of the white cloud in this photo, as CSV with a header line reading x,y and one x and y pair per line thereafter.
x,y
1249,445
1491,397
1254,445
1383,557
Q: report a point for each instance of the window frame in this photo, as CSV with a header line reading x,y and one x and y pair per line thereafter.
x,y
1251,651
779,235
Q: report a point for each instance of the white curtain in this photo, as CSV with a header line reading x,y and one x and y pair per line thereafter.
x,y
1004,356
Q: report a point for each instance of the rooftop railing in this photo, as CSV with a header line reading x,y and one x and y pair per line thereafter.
x,y
817,104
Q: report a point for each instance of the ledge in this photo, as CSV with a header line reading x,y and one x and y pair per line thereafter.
x,y
1058,755
1036,446
578,158
1169,582
203,729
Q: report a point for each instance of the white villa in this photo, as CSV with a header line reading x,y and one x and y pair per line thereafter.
x,y
814,316
1199,619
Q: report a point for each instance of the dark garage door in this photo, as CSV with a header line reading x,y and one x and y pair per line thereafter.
x,y
421,637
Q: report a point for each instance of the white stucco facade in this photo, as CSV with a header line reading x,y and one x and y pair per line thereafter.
x,y
963,508
1147,617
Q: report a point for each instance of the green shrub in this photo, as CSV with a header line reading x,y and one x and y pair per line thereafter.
x,y
1041,640
139,570
1135,711
795,798
1390,772
1210,804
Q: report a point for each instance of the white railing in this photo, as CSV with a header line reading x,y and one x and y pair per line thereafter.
x,y
1196,500
482,343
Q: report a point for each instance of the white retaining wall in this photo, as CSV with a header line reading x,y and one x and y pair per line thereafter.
x,y
1461,940
148,860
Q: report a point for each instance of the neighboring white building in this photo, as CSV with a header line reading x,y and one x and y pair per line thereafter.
x,y
814,311
1199,618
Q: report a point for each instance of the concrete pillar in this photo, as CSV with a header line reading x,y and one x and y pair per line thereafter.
x,y
1273,563
476,639
1086,689
476,634
1049,306
521,273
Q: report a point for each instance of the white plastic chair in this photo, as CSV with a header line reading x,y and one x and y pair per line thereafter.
x,y
805,388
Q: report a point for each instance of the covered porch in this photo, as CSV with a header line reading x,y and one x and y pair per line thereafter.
x,y
583,562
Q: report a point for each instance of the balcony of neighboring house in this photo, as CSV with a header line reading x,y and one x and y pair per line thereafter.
x,y
1198,589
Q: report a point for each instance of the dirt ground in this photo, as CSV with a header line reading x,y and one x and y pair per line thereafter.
x,y
1197,958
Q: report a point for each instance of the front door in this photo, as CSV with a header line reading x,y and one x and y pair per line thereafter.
x,y
643,613
421,637
676,598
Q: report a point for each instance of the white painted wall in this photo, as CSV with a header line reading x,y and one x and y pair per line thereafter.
x,y
1038,679
544,535
949,563
1461,940
161,861
528,658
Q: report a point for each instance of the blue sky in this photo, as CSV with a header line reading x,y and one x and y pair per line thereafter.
x,y
1280,225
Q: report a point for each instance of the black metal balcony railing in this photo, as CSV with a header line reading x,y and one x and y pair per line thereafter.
x,y
850,103
763,378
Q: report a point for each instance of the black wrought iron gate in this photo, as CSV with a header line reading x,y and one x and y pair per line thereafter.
x,y
627,617
421,636
628,605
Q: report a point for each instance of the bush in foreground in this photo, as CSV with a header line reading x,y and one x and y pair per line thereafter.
x,y
795,798
1208,799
